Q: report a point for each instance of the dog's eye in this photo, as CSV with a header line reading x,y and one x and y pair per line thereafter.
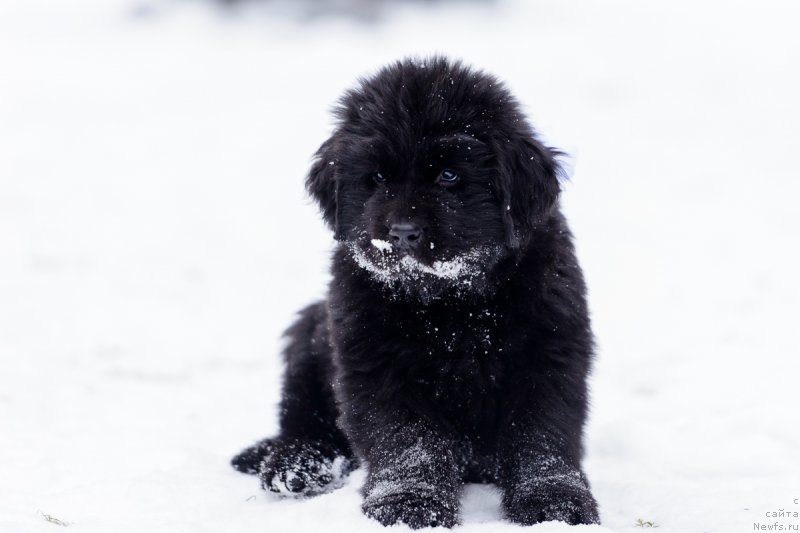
x,y
378,177
447,177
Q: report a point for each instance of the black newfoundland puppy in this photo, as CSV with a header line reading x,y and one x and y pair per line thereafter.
x,y
455,342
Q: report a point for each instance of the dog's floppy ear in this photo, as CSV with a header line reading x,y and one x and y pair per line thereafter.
x,y
528,186
321,184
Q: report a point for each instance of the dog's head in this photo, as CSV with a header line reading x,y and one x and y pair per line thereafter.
x,y
432,176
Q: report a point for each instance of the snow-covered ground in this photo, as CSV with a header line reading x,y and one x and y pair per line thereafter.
x,y
155,240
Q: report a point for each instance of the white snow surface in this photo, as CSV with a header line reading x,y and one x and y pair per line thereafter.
x,y
155,240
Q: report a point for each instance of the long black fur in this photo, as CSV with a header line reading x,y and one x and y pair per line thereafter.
x,y
426,376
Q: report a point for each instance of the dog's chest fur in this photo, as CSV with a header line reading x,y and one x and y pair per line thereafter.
x,y
462,371
462,352
446,361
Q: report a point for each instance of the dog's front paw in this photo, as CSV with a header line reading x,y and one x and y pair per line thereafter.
x,y
303,468
249,459
564,498
415,508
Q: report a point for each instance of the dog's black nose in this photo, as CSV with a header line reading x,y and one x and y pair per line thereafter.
x,y
405,236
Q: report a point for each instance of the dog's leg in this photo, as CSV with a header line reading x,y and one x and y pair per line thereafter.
x,y
540,472
310,455
413,478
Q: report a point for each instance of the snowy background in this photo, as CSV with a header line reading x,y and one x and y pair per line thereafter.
x,y
152,155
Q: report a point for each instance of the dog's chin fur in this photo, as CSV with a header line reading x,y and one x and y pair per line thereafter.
x,y
463,276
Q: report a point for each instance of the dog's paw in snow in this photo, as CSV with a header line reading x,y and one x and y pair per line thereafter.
x,y
416,509
557,498
249,459
303,468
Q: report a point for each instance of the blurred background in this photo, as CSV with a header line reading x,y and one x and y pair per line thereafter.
x,y
155,240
